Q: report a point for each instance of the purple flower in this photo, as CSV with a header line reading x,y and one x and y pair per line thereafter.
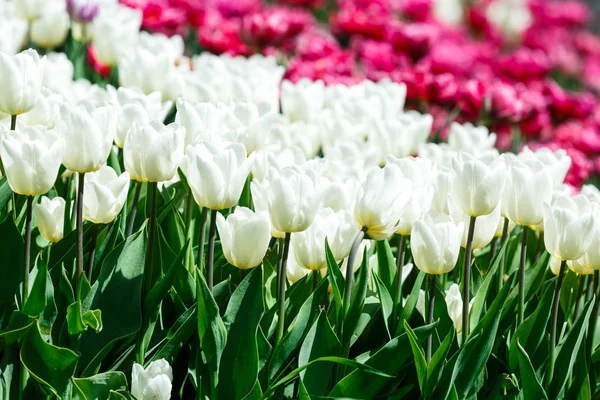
x,y
83,10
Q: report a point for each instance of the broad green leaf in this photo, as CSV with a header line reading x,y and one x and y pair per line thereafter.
x,y
119,283
337,282
178,335
580,387
386,265
354,312
50,365
36,302
528,333
389,359
292,339
98,386
411,303
386,302
120,395
532,389
5,195
79,320
319,342
11,254
567,354
238,371
419,354
436,365
18,326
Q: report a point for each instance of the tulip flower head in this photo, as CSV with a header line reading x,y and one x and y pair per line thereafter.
x,y
471,139
105,195
21,78
152,383
31,159
559,161
50,218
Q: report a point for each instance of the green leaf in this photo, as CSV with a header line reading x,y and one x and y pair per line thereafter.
x,y
528,333
532,389
419,354
336,280
5,195
436,365
120,395
211,329
386,265
178,335
411,302
119,283
389,359
18,326
352,317
50,365
11,254
98,386
292,338
319,342
386,302
79,321
567,354
238,371
36,302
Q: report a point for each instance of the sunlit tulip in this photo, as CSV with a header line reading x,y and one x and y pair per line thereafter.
x,y
50,218
105,195
591,192
200,120
568,228
115,32
303,100
454,303
338,194
216,174
579,267
442,188
259,192
500,227
401,136
31,159
381,199
292,199
435,243
88,135
152,383
528,187
29,9
250,124
244,237
51,29
153,152
20,81
558,160
478,183
470,139
294,272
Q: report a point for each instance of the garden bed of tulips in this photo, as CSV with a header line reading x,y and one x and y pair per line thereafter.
x,y
200,226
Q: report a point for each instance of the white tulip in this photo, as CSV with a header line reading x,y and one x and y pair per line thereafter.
x,y
294,272
58,72
303,100
558,160
51,29
13,34
478,183
105,195
152,383
216,175
435,243
200,120
512,17
450,12
31,159
50,218
470,139
20,81
579,266
88,135
454,303
485,226
158,43
29,10
500,227
244,237
152,153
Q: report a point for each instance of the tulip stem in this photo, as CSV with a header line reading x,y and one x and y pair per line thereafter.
x,y
554,320
27,249
493,248
92,252
281,287
466,285
201,234
594,318
580,288
148,273
522,261
399,268
210,255
136,199
590,288
539,246
79,225
501,266
189,212
350,269
432,281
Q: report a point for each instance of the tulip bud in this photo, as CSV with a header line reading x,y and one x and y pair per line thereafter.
x,y
381,199
435,243
21,79
478,184
568,228
559,161
153,152
216,175
105,195
294,272
29,10
31,159
470,139
88,135
454,303
244,237
50,218
292,199
152,383
51,29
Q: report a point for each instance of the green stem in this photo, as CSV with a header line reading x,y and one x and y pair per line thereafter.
x,y
349,269
79,227
432,280
501,266
281,287
589,292
580,289
149,272
466,284
27,249
522,261
136,199
594,317
539,246
210,256
554,320
92,252
493,248
201,234
189,212
399,267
